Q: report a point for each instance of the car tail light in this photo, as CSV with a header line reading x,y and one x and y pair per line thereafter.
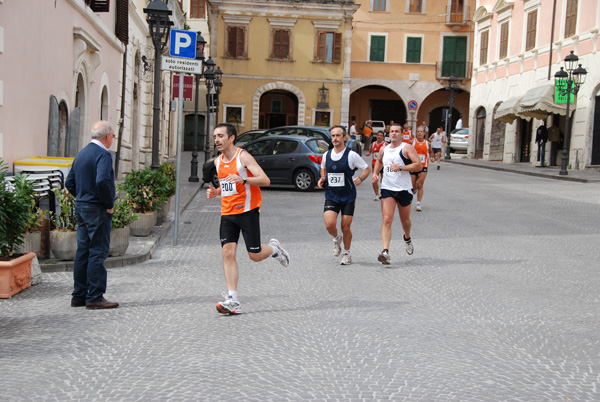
x,y
466,137
316,158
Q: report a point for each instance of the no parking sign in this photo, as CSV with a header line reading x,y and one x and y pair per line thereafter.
x,y
412,105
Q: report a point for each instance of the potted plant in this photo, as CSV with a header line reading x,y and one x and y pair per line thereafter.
x,y
33,236
169,170
122,217
15,209
145,192
63,238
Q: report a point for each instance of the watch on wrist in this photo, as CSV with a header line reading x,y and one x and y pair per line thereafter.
x,y
245,182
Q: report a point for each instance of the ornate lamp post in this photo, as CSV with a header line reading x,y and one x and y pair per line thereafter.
x,y
159,25
200,43
452,87
568,82
209,77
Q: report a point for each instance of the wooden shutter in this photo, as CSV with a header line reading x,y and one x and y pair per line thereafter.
x,y
281,43
337,48
241,42
235,41
122,21
321,41
197,8
571,18
503,40
483,50
454,60
531,30
413,50
377,48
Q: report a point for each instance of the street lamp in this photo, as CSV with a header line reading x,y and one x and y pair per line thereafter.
x,y
568,82
159,25
209,77
218,84
200,43
452,87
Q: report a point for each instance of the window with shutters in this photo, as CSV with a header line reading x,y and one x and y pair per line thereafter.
x,y
98,6
197,8
483,47
329,47
413,50
571,18
377,48
281,44
236,42
503,41
454,61
379,5
415,6
531,30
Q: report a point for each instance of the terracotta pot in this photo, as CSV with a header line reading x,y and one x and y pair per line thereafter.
x,y
143,226
32,242
119,241
15,275
63,245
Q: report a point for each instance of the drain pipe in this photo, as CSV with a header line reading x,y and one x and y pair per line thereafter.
x,y
122,117
551,41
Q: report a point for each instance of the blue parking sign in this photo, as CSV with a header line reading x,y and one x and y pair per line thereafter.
x,y
183,44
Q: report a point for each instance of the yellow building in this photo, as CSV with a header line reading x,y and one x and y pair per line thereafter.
x,y
403,53
284,62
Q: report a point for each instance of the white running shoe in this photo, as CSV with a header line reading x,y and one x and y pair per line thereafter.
x,y
346,259
408,246
418,206
384,257
337,248
282,256
229,306
377,198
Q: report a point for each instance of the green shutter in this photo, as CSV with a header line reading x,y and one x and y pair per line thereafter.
x,y
413,50
454,56
377,48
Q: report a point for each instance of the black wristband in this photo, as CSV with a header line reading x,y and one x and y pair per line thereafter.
x,y
244,182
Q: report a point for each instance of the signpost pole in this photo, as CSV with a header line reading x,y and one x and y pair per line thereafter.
x,y
179,147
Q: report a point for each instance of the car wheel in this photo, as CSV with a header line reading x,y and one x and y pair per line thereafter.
x,y
304,180
214,178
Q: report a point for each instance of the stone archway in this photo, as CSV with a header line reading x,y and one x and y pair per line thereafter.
x,y
279,85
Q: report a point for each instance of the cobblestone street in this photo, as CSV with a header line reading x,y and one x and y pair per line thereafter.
x,y
499,302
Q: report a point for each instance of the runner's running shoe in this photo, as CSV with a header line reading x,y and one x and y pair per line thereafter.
x,y
346,259
377,198
408,246
337,248
282,256
438,168
229,306
384,257
418,206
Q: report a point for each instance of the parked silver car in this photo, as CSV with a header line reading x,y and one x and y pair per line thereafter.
x,y
459,140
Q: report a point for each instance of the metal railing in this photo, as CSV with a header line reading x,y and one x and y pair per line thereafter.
x,y
459,69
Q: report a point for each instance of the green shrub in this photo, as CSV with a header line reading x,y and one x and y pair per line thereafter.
x,y
123,215
145,189
65,220
15,211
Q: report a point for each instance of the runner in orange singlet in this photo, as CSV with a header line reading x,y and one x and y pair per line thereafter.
x,y
425,152
375,149
240,177
407,134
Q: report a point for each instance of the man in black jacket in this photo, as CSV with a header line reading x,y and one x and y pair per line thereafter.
x,y
92,182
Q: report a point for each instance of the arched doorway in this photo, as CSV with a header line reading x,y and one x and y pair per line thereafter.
x,y
497,137
104,104
278,108
480,133
375,102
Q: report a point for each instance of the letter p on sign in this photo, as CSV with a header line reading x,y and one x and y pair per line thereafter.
x,y
183,44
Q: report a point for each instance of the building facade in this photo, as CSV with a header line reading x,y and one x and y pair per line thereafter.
x,y
403,53
79,61
519,46
284,62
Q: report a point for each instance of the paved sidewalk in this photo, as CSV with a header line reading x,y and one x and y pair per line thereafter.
x,y
582,176
141,248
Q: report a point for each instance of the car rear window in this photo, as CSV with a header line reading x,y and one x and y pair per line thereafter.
x,y
284,147
317,146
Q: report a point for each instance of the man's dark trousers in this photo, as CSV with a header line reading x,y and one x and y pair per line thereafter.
x,y
93,244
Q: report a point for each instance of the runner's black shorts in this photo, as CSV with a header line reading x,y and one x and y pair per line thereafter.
x,y
437,150
248,223
404,197
417,173
347,209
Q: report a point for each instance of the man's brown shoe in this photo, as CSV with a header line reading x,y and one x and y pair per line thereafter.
x,y
77,303
103,303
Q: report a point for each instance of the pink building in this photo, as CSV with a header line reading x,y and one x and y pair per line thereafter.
x,y
519,46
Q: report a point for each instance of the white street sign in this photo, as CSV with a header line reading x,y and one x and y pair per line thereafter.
x,y
182,65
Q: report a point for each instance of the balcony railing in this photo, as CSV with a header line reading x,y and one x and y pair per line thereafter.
x,y
460,69
457,17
